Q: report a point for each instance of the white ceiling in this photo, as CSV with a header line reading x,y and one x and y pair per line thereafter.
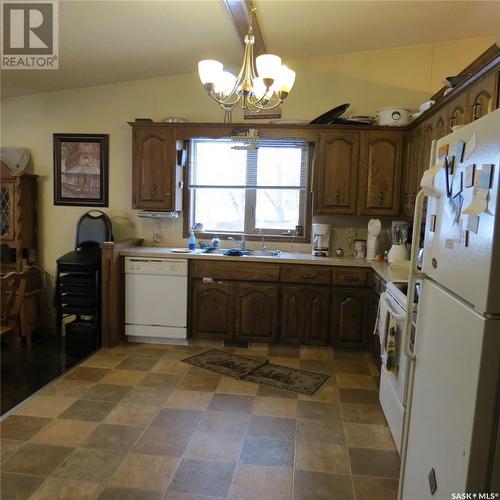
x,y
110,41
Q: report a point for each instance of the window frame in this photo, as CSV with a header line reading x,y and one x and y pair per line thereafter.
x,y
270,234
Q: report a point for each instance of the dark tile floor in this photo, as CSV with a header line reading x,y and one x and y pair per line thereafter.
x,y
135,422
24,371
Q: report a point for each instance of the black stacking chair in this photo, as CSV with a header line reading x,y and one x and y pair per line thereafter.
x,y
78,277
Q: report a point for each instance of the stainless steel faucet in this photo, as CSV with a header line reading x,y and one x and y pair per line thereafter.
x,y
263,245
240,243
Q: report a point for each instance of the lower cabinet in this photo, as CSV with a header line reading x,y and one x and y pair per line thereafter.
x,y
304,314
349,317
256,312
212,307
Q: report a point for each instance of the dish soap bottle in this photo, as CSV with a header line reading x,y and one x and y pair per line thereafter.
x,y
192,241
216,242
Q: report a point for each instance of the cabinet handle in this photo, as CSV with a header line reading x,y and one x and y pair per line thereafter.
x,y
338,197
309,276
452,120
168,194
153,189
381,198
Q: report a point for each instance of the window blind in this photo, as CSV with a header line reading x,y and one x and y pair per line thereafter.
x,y
267,164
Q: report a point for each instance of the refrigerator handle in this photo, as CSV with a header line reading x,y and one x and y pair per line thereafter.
x,y
414,274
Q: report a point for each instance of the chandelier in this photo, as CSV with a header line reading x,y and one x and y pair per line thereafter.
x,y
257,91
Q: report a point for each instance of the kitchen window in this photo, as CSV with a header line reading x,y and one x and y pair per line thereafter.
x,y
237,187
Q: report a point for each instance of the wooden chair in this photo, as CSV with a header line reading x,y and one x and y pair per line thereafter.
x,y
13,288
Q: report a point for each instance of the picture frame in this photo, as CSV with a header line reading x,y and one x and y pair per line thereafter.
x,y
81,169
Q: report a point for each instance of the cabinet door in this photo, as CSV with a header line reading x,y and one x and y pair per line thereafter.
x,y
154,168
349,317
483,96
293,314
440,123
317,315
336,173
7,205
457,111
380,173
212,310
256,312
410,172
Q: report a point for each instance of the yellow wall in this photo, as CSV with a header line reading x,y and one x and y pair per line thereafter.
x,y
402,76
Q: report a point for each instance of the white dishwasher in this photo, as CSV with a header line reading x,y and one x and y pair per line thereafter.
x,y
156,295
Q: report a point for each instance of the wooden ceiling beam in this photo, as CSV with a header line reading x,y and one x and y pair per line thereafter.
x,y
240,12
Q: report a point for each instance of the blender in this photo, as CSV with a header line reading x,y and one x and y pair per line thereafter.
x,y
399,232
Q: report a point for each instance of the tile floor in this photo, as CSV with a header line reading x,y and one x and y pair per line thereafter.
x,y
136,423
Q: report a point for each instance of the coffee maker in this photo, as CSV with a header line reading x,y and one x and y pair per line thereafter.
x,y
321,240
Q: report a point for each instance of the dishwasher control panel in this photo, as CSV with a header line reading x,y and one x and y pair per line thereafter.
x,y
166,267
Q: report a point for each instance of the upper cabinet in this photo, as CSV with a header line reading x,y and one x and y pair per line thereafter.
x,y
155,170
358,172
457,111
337,169
483,96
380,172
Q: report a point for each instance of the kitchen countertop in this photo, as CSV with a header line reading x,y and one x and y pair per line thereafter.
x,y
383,269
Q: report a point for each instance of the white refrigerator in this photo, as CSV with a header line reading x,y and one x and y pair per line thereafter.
x,y
450,435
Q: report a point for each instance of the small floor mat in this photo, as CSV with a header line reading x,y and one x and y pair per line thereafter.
x,y
259,371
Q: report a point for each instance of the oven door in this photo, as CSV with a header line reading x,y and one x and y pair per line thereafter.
x,y
394,362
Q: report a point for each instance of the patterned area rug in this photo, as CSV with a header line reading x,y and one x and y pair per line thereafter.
x,y
259,371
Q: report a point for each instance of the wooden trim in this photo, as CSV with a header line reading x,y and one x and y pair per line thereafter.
x,y
113,291
241,12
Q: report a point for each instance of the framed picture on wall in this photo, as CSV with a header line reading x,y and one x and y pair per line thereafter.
x,y
81,170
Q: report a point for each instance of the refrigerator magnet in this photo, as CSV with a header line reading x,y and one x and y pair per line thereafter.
x,y
443,151
448,172
473,223
470,147
457,184
432,223
486,176
469,172
459,151
465,238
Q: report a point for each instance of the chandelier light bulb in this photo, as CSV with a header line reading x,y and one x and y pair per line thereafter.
x,y
209,71
286,79
268,68
225,83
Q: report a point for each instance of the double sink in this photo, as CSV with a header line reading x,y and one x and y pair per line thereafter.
x,y
250,252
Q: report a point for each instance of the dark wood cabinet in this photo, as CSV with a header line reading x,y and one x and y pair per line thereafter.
x,y
256,312
349,317
212,310
439,124
457,111
293,314
317,315
154,168
380,173
409,182
483,96
336,173
304,314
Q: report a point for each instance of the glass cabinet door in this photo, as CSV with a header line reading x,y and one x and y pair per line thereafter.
x,y
6,208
